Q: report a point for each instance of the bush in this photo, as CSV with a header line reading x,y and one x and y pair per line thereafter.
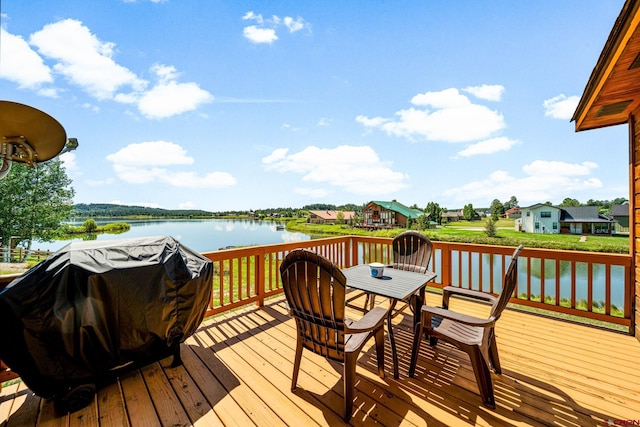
x,y
490,228
90,226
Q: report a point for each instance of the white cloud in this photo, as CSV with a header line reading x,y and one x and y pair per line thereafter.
x,y
146,162
294,25
544,180
489,146
561,106
87,62
357,170
447,116
488,92
542,167
151,153
371,122
259,35
251,16
21,65
171,98
187,205
265,29
277,155
83,59
69,163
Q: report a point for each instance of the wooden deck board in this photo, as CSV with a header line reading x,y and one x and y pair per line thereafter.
x,y
237,372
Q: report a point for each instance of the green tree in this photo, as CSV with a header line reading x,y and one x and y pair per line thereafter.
x,y
340,217
468,212
33,203
435,211
497,209
570,202
423,221
512,203
619,201
490,227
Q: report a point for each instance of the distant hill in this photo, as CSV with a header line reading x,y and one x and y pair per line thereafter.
x,y
83,210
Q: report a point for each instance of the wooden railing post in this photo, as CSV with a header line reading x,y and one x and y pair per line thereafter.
x,y
351,257
445,253
260,273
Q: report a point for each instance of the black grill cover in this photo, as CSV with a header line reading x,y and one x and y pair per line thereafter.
x,y
93,307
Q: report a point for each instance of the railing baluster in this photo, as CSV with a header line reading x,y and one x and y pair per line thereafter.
x,y
573,285
607,290
589,287
528,278
557,282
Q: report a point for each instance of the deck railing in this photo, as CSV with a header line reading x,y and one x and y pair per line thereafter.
x,y
17,254
587,284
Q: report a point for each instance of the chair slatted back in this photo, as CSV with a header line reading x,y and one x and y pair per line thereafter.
x,y
412,251
508,285
315,291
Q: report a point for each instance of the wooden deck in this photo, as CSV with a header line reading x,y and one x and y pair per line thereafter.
x,y
237,371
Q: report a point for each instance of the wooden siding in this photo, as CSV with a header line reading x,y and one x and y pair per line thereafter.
x,y
634,233
237,372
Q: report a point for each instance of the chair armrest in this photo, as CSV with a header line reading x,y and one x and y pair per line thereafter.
x,y
448,291
370,321
456,317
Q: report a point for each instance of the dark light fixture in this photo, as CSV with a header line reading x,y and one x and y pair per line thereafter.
x,y
29,136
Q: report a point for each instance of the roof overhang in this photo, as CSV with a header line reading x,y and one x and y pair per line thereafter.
x,y
613,89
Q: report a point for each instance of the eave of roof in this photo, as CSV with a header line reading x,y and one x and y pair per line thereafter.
x,y
599,91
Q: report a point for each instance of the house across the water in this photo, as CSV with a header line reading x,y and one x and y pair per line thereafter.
x,y
330,217
388,214
542,218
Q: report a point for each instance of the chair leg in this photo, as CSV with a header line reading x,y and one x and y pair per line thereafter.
x,y
379,337
296,364
493,355
349,379
417,337
483,376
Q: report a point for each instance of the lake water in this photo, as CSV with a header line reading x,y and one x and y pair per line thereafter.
x,y
204,235
201,235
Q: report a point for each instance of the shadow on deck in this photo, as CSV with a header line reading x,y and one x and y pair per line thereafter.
x,y
237,371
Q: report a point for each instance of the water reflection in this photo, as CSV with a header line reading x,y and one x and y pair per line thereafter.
x,y
201,235
548,277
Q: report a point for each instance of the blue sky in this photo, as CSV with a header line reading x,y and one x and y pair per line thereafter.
x,y
234,105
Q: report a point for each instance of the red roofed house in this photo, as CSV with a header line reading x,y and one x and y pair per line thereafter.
x,y
329,217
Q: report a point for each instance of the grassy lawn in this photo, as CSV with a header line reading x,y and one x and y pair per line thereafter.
x,y
473,232
506,233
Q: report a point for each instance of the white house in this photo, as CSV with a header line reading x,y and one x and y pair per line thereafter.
x,y
540,218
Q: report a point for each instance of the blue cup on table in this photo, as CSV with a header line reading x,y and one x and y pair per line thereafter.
x,y
376,269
